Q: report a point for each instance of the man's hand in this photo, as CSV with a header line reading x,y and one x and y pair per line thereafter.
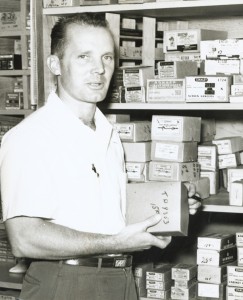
x,y
194,204
135,237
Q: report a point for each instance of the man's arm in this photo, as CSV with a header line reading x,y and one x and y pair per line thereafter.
x,y
39,239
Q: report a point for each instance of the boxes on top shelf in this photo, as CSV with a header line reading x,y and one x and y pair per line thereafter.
x,y
137,75
189,39
61,3
10,20
176,69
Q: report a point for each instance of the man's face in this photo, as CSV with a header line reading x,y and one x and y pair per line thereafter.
x,y
87,64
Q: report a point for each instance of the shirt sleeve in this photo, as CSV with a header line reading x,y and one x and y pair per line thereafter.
x,y
26,188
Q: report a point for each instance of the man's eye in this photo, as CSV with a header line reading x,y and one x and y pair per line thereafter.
x,y
83,56
108,58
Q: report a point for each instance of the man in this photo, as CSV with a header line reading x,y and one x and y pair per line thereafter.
x,y
63,179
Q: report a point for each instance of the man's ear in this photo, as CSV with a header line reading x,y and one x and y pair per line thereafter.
x,y
53,64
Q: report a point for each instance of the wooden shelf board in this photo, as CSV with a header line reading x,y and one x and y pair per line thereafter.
x,y
160,9
173,106
14,72
9,280
19,112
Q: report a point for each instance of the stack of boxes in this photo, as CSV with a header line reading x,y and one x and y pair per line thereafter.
x,y
185,281
139,273
234,289
215,252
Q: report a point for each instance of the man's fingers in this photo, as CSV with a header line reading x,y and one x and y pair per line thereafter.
x,y
155,219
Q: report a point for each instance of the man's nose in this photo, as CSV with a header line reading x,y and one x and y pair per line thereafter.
x,y
98,66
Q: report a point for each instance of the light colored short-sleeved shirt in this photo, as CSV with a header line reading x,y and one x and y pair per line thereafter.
x,y
54,167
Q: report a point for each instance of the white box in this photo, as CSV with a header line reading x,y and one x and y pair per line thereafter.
x,y
238,79
158,294
211,290
135,94
137,171
173,171
165,90
240,256
10,20
174,151
235,276
239,239
169,199
207,157
234,293
176,69
229,160
236,193
222,66
136,131
159,285
216,241
216,258
137,76
208,88
237,89
221,48
227,145
62,3
234,174
188,56
212,274
176,128
183,271
189,39
184,293
162,273
137,152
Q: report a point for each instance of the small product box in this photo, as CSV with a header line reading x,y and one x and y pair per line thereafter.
x,y
234,174
184,271
136,131
176,128
184,293
139,273
189,39
234,293
216,258
10,62
165,90
231,160
236,193
159,285
14,101
158,294
137,76
137,152
216,241
161,274
62,3
183,283
239,239
10,20
212,274
97,2
202,186
117,118
213,177
134,94
211,291
207,157
173,171
188,56
176,69
174,151
228,48
169,199
229,145
238,79
137,171
235,276
222,66
240,256
208,88
237,89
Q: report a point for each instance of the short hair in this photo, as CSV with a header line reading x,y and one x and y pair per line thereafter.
x,y
58,34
